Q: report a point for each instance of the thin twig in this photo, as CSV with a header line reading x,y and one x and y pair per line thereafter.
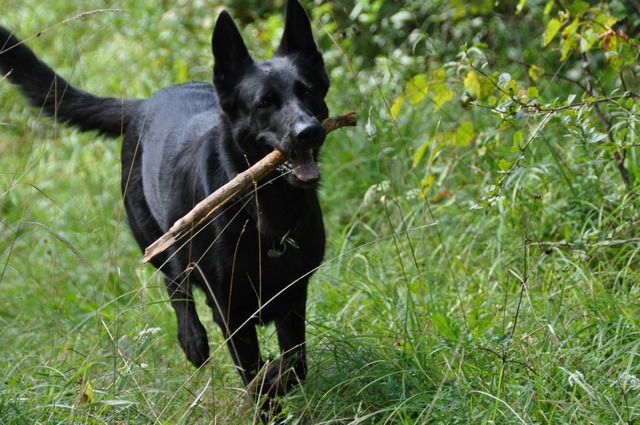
x,y
619,156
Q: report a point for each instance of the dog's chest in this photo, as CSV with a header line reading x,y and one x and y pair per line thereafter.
x,y
285,259
251,273
238,254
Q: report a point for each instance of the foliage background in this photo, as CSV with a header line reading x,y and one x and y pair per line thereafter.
x,y
482,220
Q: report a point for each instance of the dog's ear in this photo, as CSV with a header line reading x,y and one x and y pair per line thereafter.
x,y
229,51
297,36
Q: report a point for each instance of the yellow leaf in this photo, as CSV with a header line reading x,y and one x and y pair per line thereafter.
x,y
441,93
605,20
181,71
416,89
419,153
87,395
548,7
464,134
550,31
535,72
569,38
472,84
426,184
395,108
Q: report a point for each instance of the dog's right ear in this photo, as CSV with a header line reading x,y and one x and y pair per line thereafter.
x,y
297,36
229,51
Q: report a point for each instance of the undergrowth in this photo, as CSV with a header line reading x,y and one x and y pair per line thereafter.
x,y
430,307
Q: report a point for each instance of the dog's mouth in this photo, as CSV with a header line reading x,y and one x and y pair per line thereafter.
x,y
302,168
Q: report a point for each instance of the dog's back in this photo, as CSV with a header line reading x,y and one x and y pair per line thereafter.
x,y
176,128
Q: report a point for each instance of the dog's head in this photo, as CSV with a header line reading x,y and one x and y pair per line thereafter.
x,y
278,103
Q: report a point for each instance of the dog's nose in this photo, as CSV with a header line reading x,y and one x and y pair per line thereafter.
x,y
309,136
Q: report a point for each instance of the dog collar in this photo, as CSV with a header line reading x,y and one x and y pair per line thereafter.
x,y
286,240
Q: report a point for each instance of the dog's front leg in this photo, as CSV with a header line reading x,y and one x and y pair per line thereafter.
x,y
292,367
245,351
244,348
191,333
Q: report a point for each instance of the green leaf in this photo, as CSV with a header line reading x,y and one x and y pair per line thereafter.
x,y
532,92
566,48
504,79
472,84
416,89
517,138
444,327
504,165
552,28
587,40
605,20
395,108
629,103
615,60
577,7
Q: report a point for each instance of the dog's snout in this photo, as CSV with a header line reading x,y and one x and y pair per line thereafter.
x,y
309,135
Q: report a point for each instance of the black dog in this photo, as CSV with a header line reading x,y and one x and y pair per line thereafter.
x,y
254,260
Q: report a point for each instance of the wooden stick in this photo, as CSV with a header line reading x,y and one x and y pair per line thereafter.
x,y
246,179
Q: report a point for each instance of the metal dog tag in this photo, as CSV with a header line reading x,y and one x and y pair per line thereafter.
x,y
275,253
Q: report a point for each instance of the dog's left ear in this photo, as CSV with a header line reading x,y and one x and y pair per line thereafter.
x,y
297,36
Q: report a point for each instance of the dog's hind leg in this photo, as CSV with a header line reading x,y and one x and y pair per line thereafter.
x,y
191,333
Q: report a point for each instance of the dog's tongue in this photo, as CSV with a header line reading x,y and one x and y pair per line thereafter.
x,y
305,167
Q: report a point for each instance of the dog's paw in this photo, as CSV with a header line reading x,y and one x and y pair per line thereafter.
x,y
276,377
270,411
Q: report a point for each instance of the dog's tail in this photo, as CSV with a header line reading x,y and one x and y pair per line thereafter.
x,y
57,98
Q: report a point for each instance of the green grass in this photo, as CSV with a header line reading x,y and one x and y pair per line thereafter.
x,y
425,311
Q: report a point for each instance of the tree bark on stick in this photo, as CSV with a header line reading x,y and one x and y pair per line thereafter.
x,y
243,181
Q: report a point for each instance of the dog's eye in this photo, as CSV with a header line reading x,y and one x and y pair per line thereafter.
x,y
267,100
308,90
303,90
